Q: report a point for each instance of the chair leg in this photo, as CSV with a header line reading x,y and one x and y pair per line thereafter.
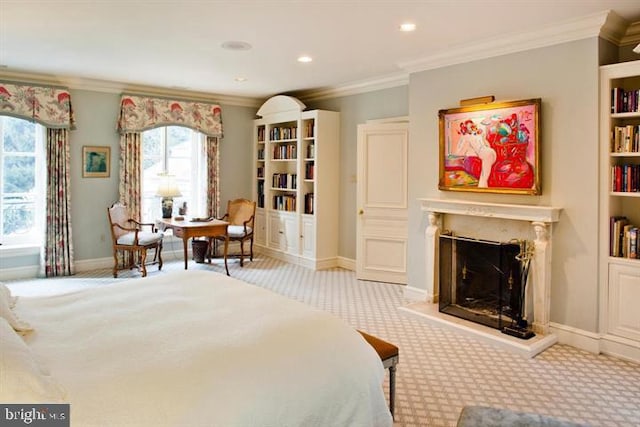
x,y
115,264
251,249
392,389
143,259
226,249
241,253
159,251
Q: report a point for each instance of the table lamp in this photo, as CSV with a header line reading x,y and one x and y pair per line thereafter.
x,y
168,190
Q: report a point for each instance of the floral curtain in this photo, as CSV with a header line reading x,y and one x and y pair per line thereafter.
x,y
57,253
138,113
51,107
213,178
130,169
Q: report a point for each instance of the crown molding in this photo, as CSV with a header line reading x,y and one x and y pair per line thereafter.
x,y
80,83
568,31
355,88
632,35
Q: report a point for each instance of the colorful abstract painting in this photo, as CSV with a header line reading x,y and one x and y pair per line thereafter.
x,y
491,147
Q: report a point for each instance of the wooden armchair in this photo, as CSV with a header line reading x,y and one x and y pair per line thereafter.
x,y
240,216
128,236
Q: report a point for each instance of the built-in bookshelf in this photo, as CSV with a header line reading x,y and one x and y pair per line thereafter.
x,y
296,182
620,199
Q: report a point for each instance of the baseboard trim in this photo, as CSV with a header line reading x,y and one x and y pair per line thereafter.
x,y
592,342
33,271
575,337
347,263
414,294
312,263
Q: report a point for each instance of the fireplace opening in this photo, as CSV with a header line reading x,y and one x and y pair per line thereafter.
x,y
481,281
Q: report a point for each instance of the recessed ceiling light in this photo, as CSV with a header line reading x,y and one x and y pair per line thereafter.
x,y
236,45
240,79
305,58
407,27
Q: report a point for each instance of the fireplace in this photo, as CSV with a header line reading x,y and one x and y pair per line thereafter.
x,y
480,280
490,222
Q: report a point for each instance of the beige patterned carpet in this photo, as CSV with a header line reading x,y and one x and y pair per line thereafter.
x,y
440,370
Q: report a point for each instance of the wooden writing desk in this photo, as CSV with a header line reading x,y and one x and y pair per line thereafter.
x,y
187,229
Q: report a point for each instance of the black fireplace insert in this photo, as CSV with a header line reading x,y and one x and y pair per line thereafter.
x,y
480,280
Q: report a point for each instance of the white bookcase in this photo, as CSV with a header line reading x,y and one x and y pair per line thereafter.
x,y
296,179
619,272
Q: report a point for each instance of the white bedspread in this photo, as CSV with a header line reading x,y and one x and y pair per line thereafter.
x,y
198,348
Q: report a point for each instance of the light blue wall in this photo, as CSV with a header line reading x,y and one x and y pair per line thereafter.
x,y
354,110
96,115
566,78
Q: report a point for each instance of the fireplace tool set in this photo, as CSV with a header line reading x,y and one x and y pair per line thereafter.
x,y
519,326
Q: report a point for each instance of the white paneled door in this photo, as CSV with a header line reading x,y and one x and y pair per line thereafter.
x,y
382,231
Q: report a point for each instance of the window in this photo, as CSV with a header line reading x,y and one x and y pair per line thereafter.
x,y
177,151
22,181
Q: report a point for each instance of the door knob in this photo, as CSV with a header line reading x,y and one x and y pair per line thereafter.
x,y
361,211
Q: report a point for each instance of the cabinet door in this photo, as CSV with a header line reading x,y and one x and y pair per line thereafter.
x,y
624,294
308,239
261,229
291,235
275,231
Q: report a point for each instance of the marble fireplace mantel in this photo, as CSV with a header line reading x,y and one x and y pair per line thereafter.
x,y
540,218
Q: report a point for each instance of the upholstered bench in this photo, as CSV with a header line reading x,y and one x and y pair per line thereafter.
x,y
389,355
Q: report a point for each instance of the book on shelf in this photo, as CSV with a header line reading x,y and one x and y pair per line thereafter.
x,y
633,243
623,238
624,101
285,152
309,201
308,129
616,223
309,171
311,151
625,139
285,181
285,132
625,178
284,202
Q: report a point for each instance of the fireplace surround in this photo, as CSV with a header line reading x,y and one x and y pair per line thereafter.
x,y
499,222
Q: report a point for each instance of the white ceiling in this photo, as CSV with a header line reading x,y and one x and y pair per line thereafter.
x,y
177,44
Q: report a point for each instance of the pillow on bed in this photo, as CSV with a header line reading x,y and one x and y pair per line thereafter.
x,y
22,378
6,303
5,292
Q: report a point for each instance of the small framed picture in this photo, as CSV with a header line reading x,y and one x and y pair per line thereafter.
x,y
96,161
491,148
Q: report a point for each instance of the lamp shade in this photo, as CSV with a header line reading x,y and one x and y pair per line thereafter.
x,y
168,187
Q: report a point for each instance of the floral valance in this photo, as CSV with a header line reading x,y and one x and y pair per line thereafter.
x,y
139,113
50,106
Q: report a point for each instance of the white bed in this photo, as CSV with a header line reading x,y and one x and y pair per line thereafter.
x,y
197,348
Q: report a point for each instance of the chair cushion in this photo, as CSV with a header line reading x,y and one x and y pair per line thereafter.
x,y
238,231
144,238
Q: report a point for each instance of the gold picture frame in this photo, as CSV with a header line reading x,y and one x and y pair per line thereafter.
x,y
96,161
491,148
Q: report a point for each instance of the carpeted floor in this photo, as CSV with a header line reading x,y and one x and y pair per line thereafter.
x,y
440,370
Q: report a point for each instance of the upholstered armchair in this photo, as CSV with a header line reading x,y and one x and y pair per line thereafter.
x,y
240,215
129,239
